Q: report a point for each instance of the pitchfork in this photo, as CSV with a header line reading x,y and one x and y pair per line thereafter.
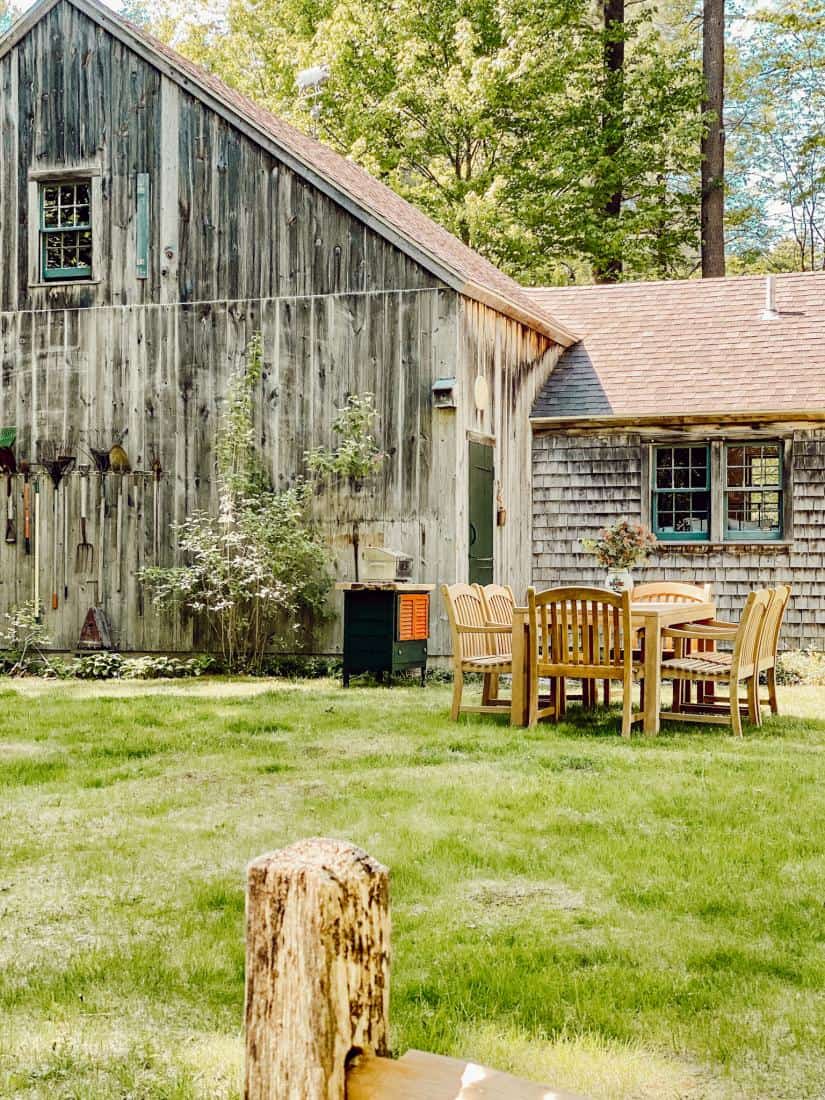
x,y
84,558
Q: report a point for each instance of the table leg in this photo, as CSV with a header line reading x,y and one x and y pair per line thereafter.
x,y
653,676
520,697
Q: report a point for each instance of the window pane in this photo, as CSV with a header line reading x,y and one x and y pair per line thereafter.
x,y
681,478
664,477
54,250
756,512
67,195
681,456
82,194
755,465
50,206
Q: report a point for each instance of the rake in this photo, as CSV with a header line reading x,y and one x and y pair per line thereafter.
x,y
56,461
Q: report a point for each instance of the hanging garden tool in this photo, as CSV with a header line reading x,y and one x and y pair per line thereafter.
x,y
100,458
84,558
27,508
37,547
156,470
11,529
119,463
56,460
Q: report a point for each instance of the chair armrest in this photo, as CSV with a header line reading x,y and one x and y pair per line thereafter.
x,y
483,629
709,633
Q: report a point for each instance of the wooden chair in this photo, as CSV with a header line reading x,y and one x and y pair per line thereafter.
x,y
666,592
732,669
768,641
475,649
499,601
582,633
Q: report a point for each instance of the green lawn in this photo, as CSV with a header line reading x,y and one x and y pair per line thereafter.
x,y
637,919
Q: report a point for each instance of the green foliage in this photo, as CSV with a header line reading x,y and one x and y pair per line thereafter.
x,y
489,116
99,666
777,151
257,571
8,14
803,666
358,455
22,639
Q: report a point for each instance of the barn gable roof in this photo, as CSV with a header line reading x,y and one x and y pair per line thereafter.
x,y
428,243
687,348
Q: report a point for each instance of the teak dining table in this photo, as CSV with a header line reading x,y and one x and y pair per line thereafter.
x,y
651,618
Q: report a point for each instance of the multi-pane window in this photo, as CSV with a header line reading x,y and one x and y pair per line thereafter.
x,y
681,493
66,230
753,491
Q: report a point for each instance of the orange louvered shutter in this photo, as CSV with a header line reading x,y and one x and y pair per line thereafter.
x,y
413,617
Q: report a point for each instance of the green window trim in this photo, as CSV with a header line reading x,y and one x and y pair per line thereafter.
x,y
673,463
753,484
64,230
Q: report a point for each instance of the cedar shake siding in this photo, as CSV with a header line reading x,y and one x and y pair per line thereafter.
x,y
583,481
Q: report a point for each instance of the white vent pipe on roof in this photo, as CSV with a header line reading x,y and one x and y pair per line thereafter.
x,y
770,312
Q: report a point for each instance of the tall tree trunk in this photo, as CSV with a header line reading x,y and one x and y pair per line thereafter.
x,y
608,267
713,140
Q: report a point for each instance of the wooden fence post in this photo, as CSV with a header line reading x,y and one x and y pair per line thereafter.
x,y
317,968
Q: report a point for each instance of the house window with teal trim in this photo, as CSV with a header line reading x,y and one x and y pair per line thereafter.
x,y
681,493
753,491
66,229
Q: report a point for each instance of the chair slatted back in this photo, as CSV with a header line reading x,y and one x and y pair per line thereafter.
x,y
769,640
584,629
671,592
499,603
466,608
746,643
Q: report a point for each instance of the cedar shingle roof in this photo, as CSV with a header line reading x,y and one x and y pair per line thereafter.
x,y
421,237
688,347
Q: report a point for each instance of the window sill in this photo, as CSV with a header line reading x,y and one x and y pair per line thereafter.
x,y
730,544
52,283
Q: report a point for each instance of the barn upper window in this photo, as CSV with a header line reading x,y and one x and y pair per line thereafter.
x,y
66,229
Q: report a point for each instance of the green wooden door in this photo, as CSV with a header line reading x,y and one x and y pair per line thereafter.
x,y
481,514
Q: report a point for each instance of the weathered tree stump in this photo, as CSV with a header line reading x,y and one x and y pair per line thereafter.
x,y
317,968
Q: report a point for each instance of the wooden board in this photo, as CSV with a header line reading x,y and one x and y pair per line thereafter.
x,y
420,1076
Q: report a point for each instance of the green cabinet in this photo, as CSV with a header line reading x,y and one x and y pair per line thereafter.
x,y
386,627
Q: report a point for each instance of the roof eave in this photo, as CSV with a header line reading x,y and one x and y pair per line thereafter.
x,y
539,321
652,420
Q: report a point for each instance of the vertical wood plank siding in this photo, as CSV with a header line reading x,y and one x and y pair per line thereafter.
x,y
238,243
584,481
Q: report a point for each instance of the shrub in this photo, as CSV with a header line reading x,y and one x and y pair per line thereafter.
x,y
801,667
99,666
165,668
256,569
23,639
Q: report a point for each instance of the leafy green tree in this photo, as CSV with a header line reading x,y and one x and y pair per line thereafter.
x,y
8,14
494,117
779,138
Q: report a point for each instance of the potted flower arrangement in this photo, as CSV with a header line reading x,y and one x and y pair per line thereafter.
x,y
618,548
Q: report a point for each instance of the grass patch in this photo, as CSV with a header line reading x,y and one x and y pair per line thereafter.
x,y
626,920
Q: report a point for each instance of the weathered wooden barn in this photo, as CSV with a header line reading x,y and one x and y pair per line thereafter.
x,y
697,408
152,220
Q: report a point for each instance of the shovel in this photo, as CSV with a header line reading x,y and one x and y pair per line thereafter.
x,y
11,529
